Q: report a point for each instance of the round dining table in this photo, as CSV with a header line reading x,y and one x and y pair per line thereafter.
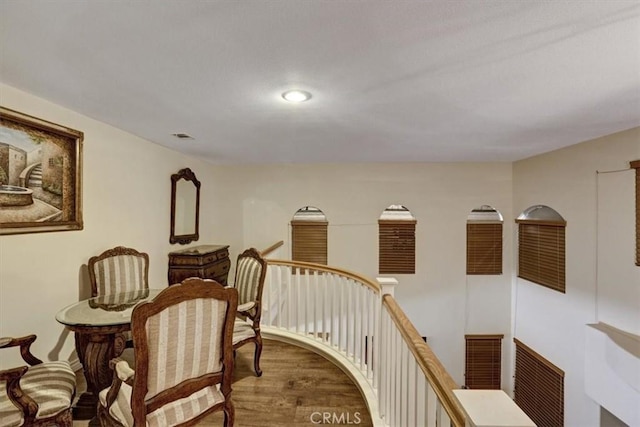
x,y
100,324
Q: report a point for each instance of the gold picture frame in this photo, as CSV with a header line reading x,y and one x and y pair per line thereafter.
x,y
40,175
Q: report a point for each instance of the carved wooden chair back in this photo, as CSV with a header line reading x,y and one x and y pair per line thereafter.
x,y
183,358
251,270
119,269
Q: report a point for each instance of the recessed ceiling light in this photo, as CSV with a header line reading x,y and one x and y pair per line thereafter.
x,y
296,95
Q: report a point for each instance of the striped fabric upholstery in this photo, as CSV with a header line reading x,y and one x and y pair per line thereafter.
x,y
50,384
242,331
171,414
182,343
248,273
122,273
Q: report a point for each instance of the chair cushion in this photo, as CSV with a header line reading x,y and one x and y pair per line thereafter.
x,y
242,331
173,413
52,386
246,306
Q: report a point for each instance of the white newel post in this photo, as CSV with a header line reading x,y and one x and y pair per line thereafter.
x,y
382,371
387,285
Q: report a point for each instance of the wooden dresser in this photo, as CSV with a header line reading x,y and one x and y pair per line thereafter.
x,y
206,261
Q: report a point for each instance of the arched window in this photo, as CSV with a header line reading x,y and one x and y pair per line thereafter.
x,y
309,235
541,247
484,241
397,241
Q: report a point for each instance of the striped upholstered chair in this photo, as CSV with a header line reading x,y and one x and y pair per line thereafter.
x,y
118,270
115,271
37,395
183,359
251,270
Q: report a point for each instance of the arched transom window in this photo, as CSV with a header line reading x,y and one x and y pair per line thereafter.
x,y
541,247
484,241
397,241
309,235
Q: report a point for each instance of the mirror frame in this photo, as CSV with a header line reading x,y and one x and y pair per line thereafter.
x,y
188,175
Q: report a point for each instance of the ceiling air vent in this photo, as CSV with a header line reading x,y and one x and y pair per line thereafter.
x,y
182,136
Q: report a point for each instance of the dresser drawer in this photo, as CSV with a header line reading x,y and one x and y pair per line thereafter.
x,y
220,255
218,270
206,261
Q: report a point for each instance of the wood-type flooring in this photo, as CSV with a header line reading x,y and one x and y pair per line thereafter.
x,y
298,388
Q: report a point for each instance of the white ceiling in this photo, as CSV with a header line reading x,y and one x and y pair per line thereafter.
x,y
392,81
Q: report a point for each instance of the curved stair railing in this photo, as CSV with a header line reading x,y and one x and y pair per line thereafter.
x,y
346,318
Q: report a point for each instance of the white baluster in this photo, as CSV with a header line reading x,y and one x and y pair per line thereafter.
x,y
356,321
420,396
298,299
320,304
333,312
290,297
404,378
431,406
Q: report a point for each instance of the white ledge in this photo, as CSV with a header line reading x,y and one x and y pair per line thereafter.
x,y
491,408
612,370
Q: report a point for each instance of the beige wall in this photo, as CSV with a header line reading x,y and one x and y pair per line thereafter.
x,y
602,282
126,201
440,299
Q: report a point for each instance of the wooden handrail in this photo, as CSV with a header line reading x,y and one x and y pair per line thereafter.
x,y
324,268
438,377
271,248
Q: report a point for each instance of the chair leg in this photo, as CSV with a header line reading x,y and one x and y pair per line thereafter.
x,y
229,414
256,356
65,419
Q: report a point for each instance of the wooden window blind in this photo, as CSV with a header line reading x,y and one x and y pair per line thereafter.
x,y
483,361
484,248
541,253
309,241
636,165
539,387
397,246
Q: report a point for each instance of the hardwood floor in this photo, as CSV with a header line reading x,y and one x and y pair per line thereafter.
x,y
298,388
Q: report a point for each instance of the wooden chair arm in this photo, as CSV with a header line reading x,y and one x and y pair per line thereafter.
x,y
25,347
122,372
13,373
24,403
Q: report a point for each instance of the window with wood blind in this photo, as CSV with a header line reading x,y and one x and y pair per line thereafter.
x,y
397,241
309,235
541,247
484,241
483,362
539,387
636,165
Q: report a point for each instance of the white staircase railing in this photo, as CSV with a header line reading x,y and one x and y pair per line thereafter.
x,y
345,317
415,388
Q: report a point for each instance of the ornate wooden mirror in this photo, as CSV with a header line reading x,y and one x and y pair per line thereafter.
x,y
185,207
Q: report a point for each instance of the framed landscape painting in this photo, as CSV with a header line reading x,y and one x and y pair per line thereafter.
x,y
40,175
